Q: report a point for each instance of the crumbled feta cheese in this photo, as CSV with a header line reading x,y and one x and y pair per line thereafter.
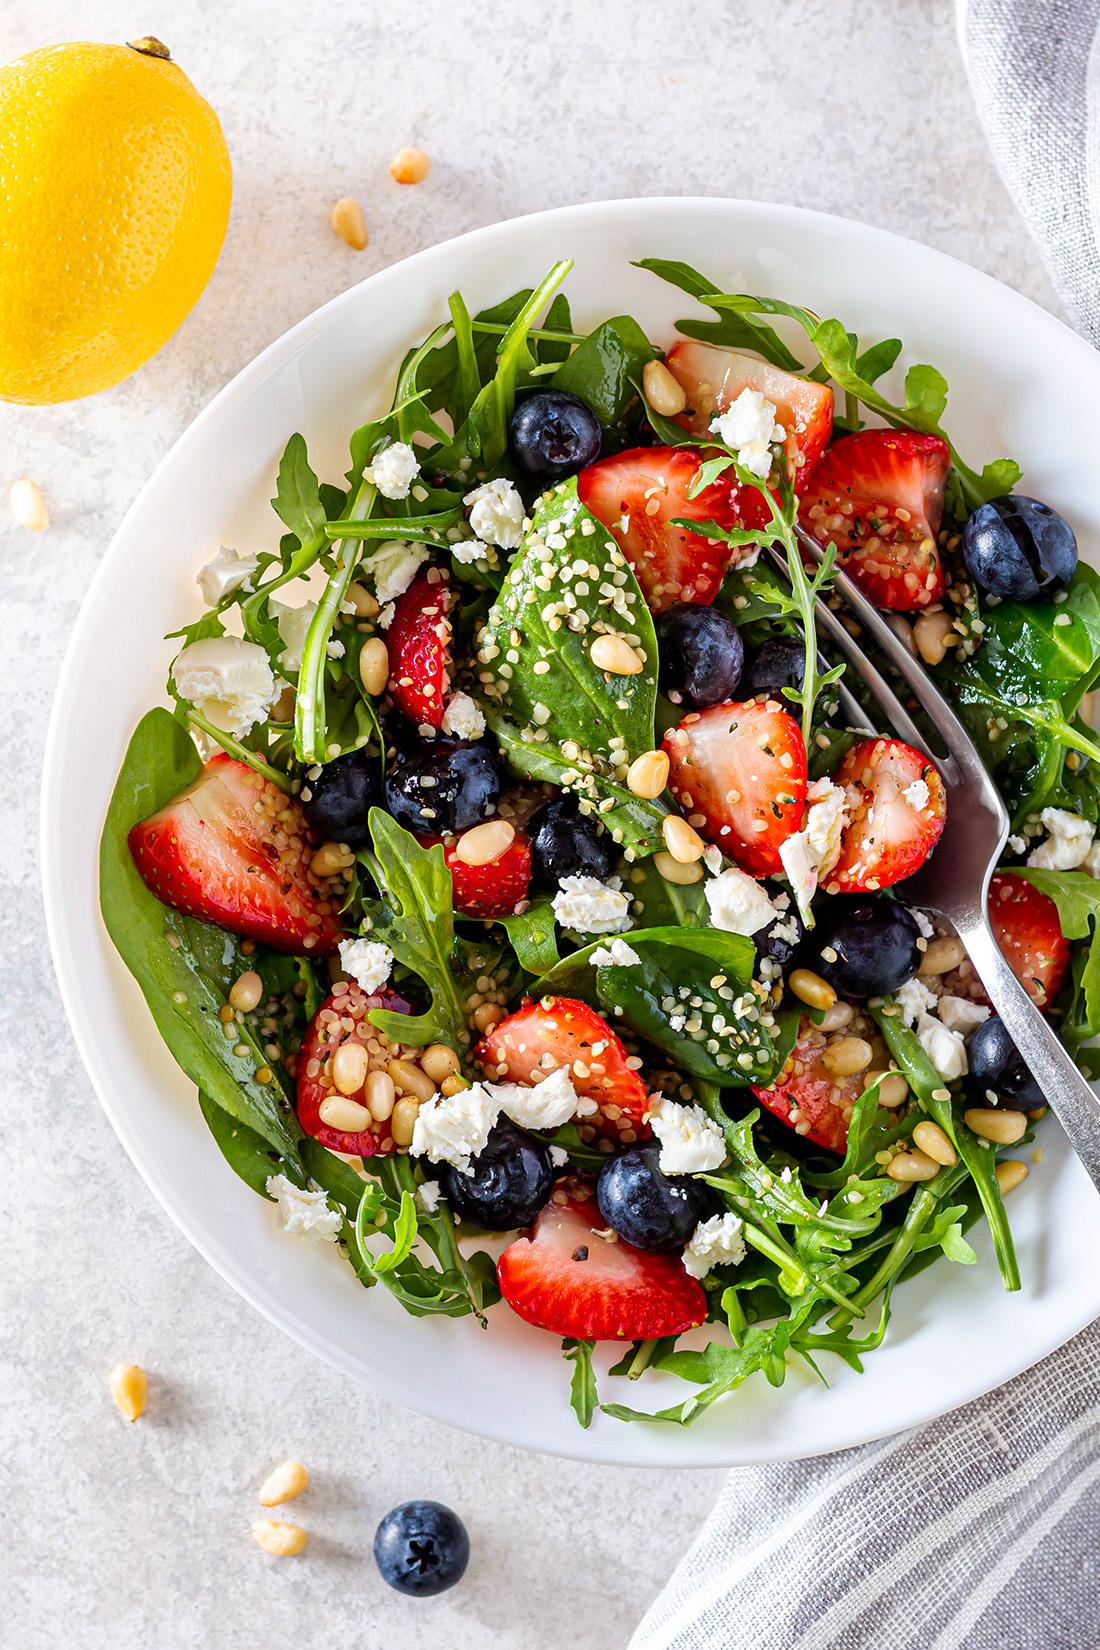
x,y
715,1242
922,922
1091,862
914,999
1018,844
453,1128
799,869
463,719
548,1105
590,906
916,794
786,931
616,955
226,573
293,625
393,567
738,904
815,849
712,859
944,1047
1067,846
426,1197
385,617
496,513
690,1142
303,1213
960,1014
559,1157
228,680
394,470
367,962
467,551
748,425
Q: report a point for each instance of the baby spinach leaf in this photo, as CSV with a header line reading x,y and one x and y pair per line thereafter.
x,y
605,368
533,935
252,1157
661,904
1077,896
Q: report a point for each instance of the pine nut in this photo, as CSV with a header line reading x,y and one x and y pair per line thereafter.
x,y
439,1061
485,843
910,1166
1004,1127
935,1144
28,506
409,166
366,607
350,1065
280,1540
665,394
647,775
129,1389
487,1015
615,655
453,1085
846,1056
330,858
1010,1174
381,1094
683,843
893,1087
246,991
841,1014
283,1484
374,666
811,989
346,1115
674,871
942,956
933,634
411,1080
403,1121
903,630
349,223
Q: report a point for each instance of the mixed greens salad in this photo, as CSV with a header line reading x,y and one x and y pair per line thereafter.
x,y
526,879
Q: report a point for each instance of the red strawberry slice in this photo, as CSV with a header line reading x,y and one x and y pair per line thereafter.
x,y
328,1031
814,1102
738,772
570,1278
556,1031
419,642
896,809
1026,927
713,379
878,496
637,494
493,889
234,849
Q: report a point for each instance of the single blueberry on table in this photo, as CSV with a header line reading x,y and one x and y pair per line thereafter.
x,y
701,654
863,945
996,1064
649,1209
421,1548
567,843
338,801
1019,548
444,786
776,664
510,1181
553,435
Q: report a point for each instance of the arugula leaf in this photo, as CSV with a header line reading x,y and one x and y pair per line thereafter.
x,y
533,935
583,1396
734,331
297,501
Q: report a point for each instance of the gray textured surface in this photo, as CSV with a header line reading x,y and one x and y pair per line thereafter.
x,y
138,1535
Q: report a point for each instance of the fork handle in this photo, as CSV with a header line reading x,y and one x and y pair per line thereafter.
x,y
1068,1094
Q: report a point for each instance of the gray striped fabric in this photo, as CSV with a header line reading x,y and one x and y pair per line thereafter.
x,y
980,1531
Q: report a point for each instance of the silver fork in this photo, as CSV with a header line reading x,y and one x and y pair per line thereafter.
x,y
954,882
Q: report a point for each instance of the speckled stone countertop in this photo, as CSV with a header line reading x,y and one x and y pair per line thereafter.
x,y
116,1535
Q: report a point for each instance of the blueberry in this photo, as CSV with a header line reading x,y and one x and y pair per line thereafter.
x,y
997,1064
781,939
554,435
567,843
510,1180
649,1209
1019,548
341,797
421,1548
863,945
443,787
775,665
701,654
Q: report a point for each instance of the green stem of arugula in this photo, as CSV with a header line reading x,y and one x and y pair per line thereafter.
x,y
309,706
232,747
424,529
549,333
448,1252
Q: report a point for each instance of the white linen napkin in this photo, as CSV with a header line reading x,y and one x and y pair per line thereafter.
x,y
981,1530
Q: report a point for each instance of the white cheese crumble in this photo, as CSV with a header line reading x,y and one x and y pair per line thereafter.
x,y
496,513
453,1128
293,625
559,1157
228,680
467,551
944,1047
715,1242
616,955
690,1142
367,962
1067,846
394,470
385,618
590,906
1018,844
1091,862
738,904
392,568
548,1105
463,719
960,1014
914,998
916,794
303,1213
426,1197
226,573
922,922
712,859
815,849
748,426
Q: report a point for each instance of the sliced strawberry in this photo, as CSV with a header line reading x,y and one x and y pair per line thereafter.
x,y
419,643
809,1098
1026,927
235,850
556,1031
328,1031
637,494
713,379
878,496
738,772
572,1279
493,889
896,809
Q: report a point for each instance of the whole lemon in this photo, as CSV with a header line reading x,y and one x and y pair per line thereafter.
x,y
115,186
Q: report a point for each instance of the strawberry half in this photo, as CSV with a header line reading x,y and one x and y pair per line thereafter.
x,y
234,849
896,809
556,1031
493,889
807,1097
713,378
878,496
419,643
637,494
569,1278
738,772
1026,927
328,1032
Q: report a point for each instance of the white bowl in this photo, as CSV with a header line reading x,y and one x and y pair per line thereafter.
x,y
1021,383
